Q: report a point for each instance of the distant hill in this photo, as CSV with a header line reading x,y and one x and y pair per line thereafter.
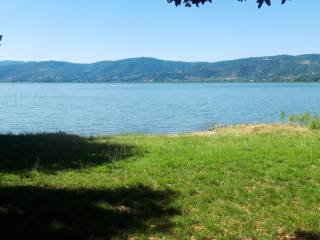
x,y
283,68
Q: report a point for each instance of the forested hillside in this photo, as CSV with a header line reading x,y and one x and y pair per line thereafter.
x,y
284,68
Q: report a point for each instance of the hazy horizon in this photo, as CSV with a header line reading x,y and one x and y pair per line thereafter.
x,y
161,59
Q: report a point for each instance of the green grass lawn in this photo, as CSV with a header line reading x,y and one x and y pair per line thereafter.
x,y
230,185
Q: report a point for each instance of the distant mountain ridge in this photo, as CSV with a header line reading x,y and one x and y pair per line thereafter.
x,y
282,68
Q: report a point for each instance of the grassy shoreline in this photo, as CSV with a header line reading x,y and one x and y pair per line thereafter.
x,y
241,182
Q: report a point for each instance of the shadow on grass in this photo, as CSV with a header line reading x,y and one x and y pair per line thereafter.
x,y
53,152
306,235
42,213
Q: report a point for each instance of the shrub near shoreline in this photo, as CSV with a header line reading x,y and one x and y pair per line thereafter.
x,y
305,119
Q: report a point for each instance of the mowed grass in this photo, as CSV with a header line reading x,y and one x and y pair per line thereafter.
x,y
239,183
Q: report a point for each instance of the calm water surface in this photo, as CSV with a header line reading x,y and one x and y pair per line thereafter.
x,y
149,108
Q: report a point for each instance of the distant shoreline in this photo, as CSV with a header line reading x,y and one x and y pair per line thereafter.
x,y
283,68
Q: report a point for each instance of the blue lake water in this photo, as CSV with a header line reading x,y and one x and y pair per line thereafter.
x,y
147,108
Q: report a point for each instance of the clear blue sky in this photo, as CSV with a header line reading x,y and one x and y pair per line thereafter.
x,y
94,30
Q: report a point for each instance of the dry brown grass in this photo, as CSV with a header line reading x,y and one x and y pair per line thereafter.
x,y
254,128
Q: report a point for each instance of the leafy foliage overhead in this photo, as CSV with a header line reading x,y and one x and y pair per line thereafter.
x,y
189,3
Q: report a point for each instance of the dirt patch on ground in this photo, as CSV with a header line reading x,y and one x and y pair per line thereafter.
x,y
254,128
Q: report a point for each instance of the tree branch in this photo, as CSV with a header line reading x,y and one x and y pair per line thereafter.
x,y
189,3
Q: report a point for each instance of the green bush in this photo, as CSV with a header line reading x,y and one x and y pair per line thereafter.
x,y
315,123
304,119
